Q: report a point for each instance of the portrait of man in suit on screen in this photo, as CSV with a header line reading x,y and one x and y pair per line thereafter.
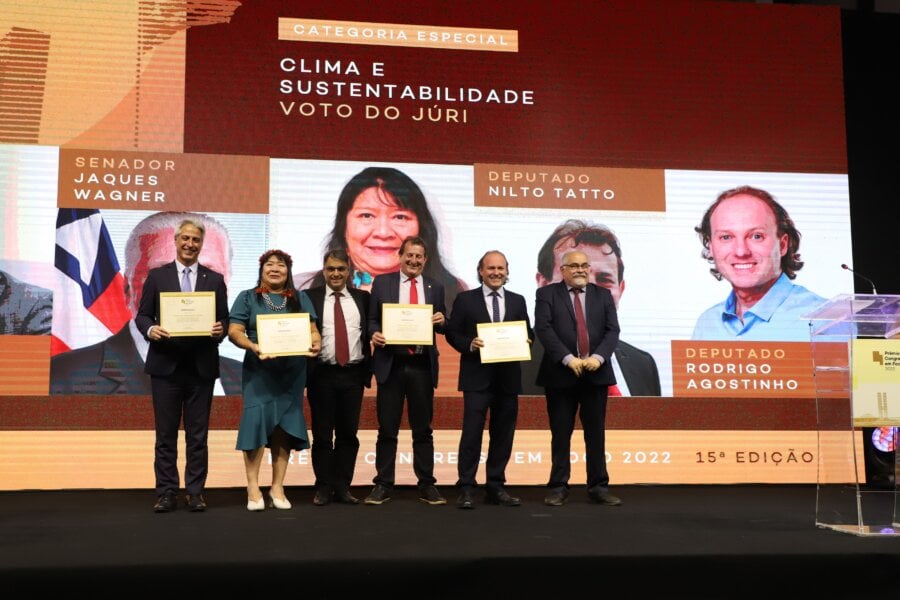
x,y
635,369
116,364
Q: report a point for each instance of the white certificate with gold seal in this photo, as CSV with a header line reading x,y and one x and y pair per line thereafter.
x,y
284,335
185,314
407,324
504,341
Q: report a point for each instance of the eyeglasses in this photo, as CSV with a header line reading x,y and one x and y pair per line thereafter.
x,y
578,267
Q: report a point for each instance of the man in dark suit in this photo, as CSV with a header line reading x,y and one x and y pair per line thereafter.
x,y
577,323
405,372
116,365
182,370
636,370
491,386
337,379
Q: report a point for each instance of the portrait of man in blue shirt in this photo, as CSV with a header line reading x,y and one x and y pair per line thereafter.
x,y
751,241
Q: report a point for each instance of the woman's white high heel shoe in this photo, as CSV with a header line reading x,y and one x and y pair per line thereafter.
x,y
254,505
281,503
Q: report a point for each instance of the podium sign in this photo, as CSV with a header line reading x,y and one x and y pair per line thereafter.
x,y
855,343
876,383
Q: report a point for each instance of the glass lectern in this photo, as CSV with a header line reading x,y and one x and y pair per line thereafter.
x,y
856,349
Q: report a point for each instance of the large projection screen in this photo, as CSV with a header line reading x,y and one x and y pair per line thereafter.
x,y
512,118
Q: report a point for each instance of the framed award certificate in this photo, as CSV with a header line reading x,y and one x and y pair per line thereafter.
x,y
504,341
284,335
187,313
407,324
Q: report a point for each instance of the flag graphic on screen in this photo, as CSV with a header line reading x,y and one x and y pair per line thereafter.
x,y
89,298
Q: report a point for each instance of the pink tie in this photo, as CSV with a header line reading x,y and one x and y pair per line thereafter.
x,y
614,390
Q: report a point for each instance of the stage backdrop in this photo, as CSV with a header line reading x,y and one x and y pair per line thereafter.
x,y
511,118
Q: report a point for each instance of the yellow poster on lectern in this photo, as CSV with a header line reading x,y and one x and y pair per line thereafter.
x,y
876,383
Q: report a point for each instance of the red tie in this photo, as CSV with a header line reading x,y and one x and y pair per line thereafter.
x,y
341,345
581,326
413,299
614,390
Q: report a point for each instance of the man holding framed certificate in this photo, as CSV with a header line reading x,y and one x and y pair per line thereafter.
x,y
183,365
489,326
403,305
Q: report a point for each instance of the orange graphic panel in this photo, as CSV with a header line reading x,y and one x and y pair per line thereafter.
x,y
162,181
583,188
742,369
106,75
24,365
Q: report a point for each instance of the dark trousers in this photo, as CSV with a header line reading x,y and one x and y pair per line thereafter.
x,y
410,379
562,404
335,397
182,395
504,410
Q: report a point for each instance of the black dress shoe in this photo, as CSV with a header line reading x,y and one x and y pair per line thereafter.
x,y
465,500
165,503
196,503
345,498
603,497
380,494
322,497
556,497
502,498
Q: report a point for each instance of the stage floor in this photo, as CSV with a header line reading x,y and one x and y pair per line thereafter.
x,y
677,541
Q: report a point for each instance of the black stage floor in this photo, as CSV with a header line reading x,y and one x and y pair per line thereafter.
x,y
665,541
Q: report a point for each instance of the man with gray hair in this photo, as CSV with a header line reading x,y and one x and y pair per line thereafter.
x,y
182,369
635,369
115,365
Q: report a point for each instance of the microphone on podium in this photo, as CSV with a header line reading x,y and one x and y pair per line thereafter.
x,y
861,276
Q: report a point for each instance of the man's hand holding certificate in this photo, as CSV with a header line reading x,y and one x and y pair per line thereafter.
x,y
407,324
184,314
504,341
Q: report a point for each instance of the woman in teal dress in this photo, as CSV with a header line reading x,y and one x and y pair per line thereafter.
x,y
272,386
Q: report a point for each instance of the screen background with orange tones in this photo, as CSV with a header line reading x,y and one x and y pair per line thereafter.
x,y
511,117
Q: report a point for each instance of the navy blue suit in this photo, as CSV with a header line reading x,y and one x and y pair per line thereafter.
x,y
403,376
555,326
491,386
335,398
183,371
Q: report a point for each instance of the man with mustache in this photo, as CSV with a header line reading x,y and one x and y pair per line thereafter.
x,y
578,326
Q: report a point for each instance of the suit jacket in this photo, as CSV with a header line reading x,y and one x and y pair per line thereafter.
x,y
554,323
469,309
114,366
638,368
361,298
165,355
386,290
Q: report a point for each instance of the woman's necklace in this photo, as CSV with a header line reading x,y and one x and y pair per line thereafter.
x,y
272,305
